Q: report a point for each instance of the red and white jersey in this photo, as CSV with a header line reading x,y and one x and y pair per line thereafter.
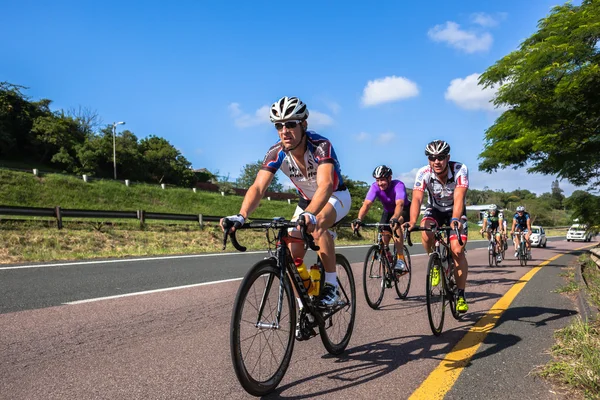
x,y
441,196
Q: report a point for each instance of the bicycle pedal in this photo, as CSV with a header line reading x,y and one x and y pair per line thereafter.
x,y
388,283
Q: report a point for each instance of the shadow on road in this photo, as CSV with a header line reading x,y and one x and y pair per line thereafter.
x,y
377,359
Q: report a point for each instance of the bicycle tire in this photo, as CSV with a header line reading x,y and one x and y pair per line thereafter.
x,y
252,289
452,296
403,281
341,324
523,253
436,320
374,277
490,258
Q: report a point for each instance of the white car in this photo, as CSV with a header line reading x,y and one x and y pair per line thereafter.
x,y
538,236
579,232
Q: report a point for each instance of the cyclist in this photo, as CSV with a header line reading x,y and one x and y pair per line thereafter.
x,y
310,162
493,223
522,223
392,194
446,183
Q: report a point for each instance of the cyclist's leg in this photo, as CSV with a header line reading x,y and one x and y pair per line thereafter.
x,y
461,266
386,231
399,236
527,242
427,237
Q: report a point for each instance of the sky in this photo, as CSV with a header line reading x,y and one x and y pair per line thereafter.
x,y
380,79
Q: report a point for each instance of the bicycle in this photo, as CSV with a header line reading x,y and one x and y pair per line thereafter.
x,y
378,271
264,312
492,252
446,290
522,255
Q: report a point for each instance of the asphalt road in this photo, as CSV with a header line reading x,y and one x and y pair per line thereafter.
x,y
175,343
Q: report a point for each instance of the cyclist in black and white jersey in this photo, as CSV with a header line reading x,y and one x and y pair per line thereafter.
x,y
309,160
446,183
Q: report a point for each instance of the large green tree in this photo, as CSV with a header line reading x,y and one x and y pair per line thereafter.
x,y
551,89
249,171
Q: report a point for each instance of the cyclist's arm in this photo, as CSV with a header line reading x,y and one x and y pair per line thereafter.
x,y
324,191
459,202
415,206
512,229
484,224
529,224
398,209
256,192
364,209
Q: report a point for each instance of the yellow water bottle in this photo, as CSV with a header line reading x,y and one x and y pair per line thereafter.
x,y
315,279
303,272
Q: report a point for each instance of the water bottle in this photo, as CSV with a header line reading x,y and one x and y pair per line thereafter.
x,y
303,271
315,279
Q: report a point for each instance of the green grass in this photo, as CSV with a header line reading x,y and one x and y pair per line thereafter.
x,y
576,352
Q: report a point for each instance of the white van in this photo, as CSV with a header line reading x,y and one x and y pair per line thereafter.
x,y
579,232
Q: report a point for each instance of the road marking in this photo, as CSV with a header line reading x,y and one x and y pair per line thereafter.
x,y
443,377
117,296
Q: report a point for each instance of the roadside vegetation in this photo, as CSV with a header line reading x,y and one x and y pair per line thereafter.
x,y
576,353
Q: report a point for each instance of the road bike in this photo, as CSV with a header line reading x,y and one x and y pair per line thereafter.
x,y
522,255
378,270
492,252
263,322
445,292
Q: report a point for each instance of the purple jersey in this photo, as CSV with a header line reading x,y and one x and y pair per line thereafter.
x,y
388,197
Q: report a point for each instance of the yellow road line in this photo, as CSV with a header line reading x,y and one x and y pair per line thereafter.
x,y
442,378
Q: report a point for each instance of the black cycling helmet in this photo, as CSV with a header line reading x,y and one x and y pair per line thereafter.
x,y
383,171
437,148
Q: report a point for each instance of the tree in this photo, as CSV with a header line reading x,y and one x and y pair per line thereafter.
x,y
551,89
164,163
585,207
249,171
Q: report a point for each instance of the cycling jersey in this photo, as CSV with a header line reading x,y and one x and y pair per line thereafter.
x,y
319,151
441,196
521,221
493,221
395,191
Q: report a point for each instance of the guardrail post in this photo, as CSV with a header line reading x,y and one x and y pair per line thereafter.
x,y
127,182
162,185
58,215
141,217
35,172
194,189
85,178
201,220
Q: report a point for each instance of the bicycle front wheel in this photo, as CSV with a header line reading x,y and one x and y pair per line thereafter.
x,y
402,282
374,277
261,346
338,327
435,293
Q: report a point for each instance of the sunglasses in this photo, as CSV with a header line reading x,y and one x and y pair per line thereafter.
x,y
439,158
288,124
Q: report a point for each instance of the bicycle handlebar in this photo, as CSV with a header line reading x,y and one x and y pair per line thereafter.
x,y
375,225
276,223
435,229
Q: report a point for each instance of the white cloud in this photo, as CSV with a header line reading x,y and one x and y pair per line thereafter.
x,y
483,19
318,119
334,107
467,94
198,151
361,137
243,120
467,41
408,177
390,88
385,137
510,179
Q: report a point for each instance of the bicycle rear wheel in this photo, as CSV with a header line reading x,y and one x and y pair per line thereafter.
x,y
374,277
338,327
402,282
260,350
436,296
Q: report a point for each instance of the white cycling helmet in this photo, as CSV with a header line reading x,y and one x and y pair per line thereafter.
x,y
493,207
288,108
437,147
520,208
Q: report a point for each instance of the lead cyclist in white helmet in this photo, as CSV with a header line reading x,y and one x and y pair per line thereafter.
x,y
310,162
446,183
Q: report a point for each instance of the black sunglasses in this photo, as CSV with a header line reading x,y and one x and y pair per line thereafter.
x,y
288,124
439,158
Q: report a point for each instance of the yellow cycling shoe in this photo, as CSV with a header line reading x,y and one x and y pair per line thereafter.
x,y
461,305
435,276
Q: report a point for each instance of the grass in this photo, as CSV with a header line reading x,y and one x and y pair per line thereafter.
x,y
576,352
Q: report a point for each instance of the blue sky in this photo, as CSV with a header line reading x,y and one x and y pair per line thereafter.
x,y
381,79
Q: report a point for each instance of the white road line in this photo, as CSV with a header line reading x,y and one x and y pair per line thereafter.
x,y
124,260
150,291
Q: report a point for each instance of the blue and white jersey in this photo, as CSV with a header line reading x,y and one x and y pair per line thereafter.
x,y
319,151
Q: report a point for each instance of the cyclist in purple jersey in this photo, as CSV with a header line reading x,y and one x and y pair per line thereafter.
x,y
309,160
396,206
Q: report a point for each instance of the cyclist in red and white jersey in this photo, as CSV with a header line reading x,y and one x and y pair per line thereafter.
x,y
446,183
309,160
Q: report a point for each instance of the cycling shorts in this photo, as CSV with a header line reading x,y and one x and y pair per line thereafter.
x,y
434,216
341,202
